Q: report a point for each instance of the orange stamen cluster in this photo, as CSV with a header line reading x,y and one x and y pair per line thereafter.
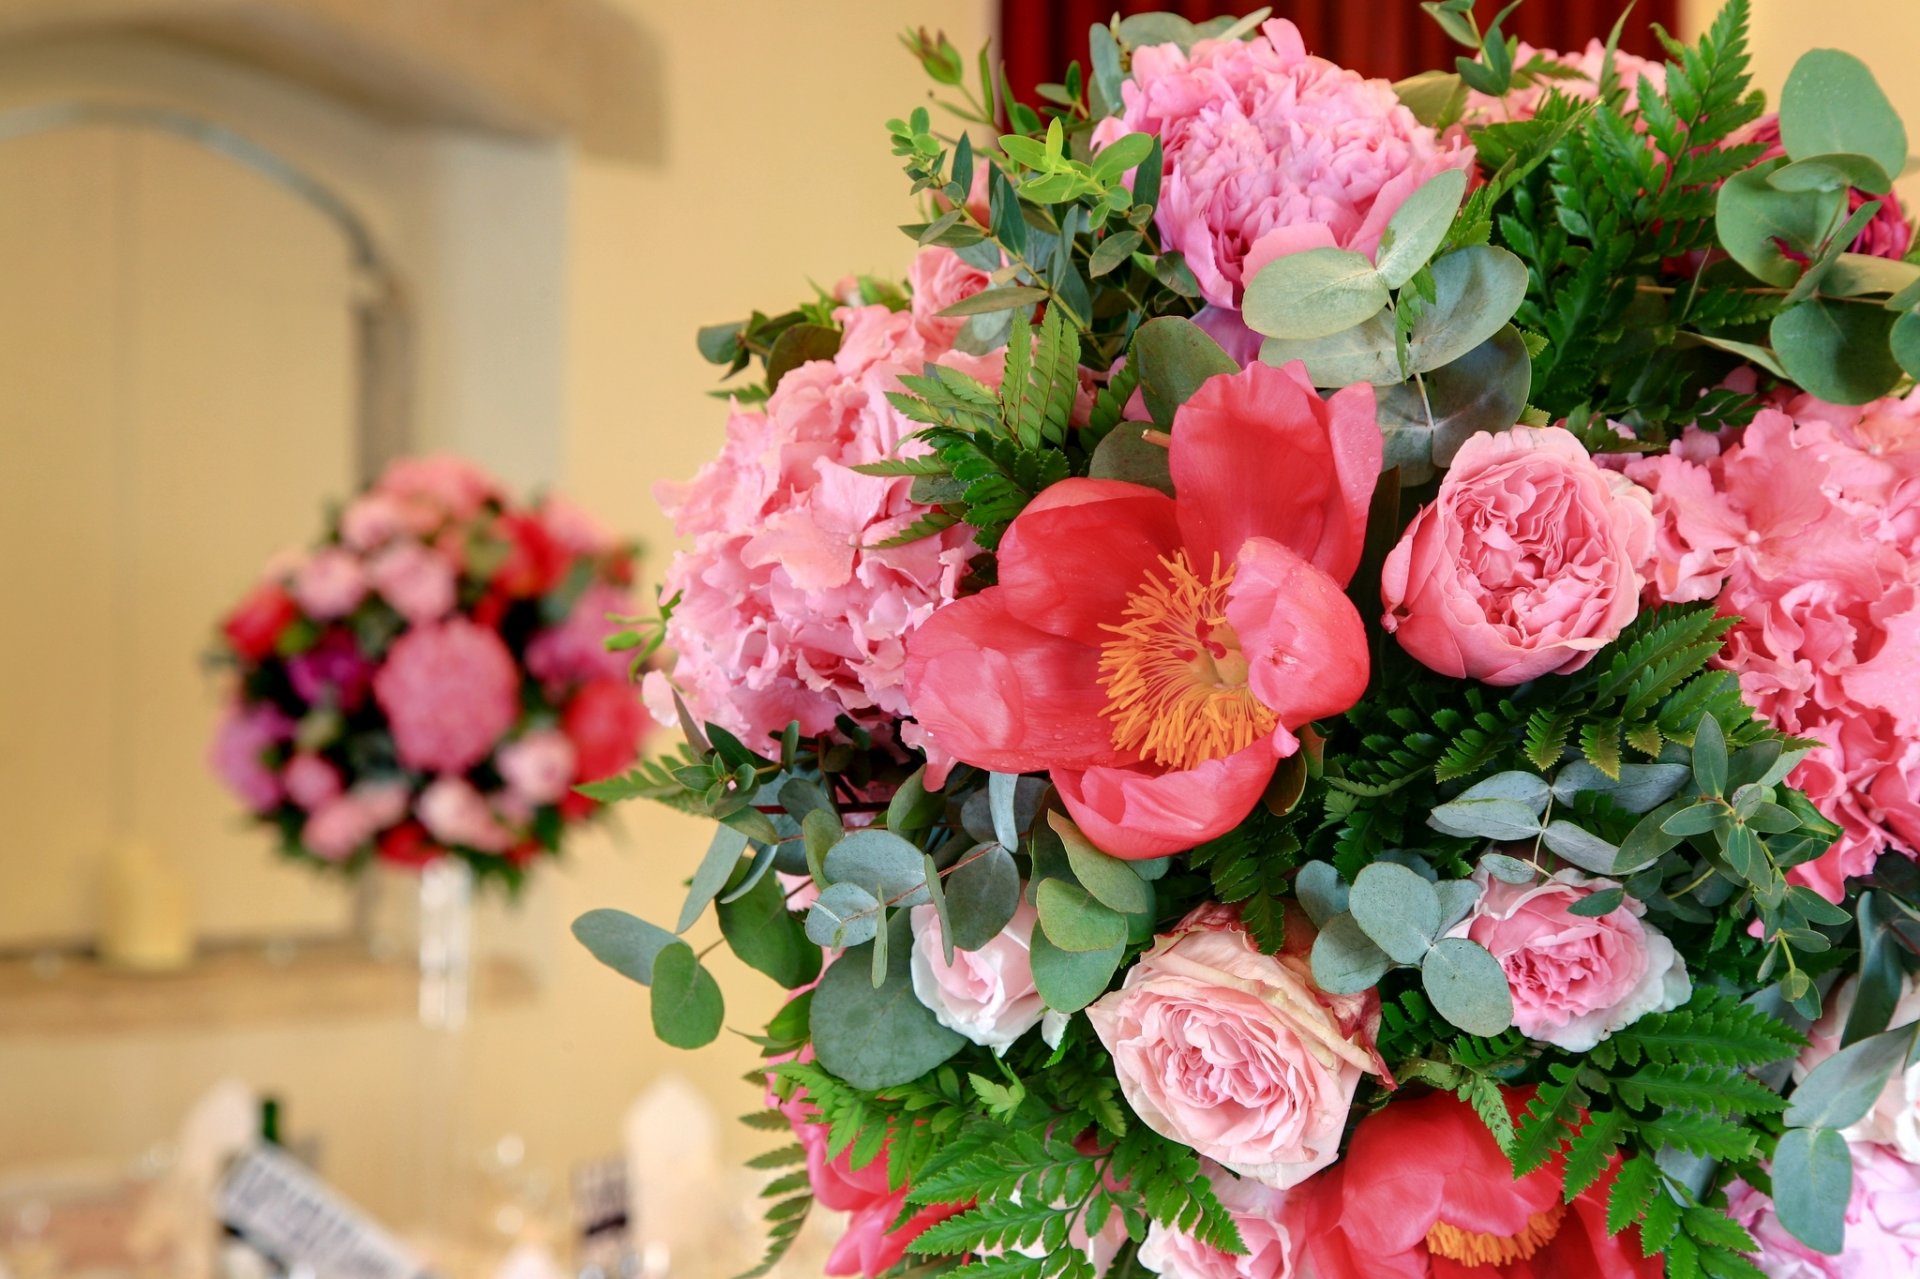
x,y
1175,677
1472,1248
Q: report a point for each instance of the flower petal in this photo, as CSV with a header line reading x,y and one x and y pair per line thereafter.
x,y
997,693
1305,646
1071,558
1141,811
1258,453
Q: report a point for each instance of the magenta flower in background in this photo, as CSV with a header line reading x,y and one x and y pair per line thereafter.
x,y
238,754
1889,234
334,672
450,692
1270,151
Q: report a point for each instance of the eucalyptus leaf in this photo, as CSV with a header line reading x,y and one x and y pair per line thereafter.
x,y
1070,980
876,1037
1476,291
1756,221
1423,423
982,893
1103,86
1467,986
1367,352
882,863
1436,98
1419,226
1111,881
1581,846
1595,905
1457,897
1837,350
1639,788
1320,891
756,870
1508,870
1837,172
1843,1088
1313,293
1710,756
1397,909
623,942
1882,978
765,935
1812,1182
844,914
715,869
1175,357
1345,960
820,830
800,344
1831,104
1501,819
1528,788
687,1005
1073,920
1903,340
1126,454
1006,297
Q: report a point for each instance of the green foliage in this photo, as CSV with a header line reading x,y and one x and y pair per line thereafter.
x,y
1251,866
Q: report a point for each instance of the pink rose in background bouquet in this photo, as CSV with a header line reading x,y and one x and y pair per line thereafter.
x,y
432,679
1573,75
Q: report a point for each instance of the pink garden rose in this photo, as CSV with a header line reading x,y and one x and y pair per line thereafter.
x,y
371,521
1269,151
1583,85
348,822
938,278
1894,1121
1807,527
1237,1053
1526,563
455,813
537,768
430,491
1883,1224
987,994
450,692
330,585
1272,1251
788,610
1575,980
417,580
310,781
239,753
1156,654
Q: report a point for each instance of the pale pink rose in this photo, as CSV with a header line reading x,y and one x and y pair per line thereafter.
x,y
938,278
349,821
455,813
416,579
1269,151
1272,1253
1894,1121
1589,63
331,584
537,768
371,521
1237,1053
1526,564
787,609
1883,1224
575,651
988,994
242,745
450,692
433,490
1575,980
311,781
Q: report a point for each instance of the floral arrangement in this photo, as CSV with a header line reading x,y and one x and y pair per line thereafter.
x,y
433,678
1333,688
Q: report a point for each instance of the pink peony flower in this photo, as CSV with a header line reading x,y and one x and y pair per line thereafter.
x,y
416,579
1894,1121
1237,1053
311,781
1584,86
371,521
537,768
1883,1224
1525,564
1272,1251
333,673
987,994
1888,235
349,821
788,610
242,745
1155,653
433,490
450,691
575,651
1807,527
331,584
1270,151
1575,980
455,813
939,277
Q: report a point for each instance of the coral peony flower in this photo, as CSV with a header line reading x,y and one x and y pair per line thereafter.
x,y
331,584
1883,1224
576,650
254,627
1894,1121
987,994
348,822
539,767
788,610
1269,151
1257,1210
1575,980
1889,234
1425,1192
872,1243
450,691
455,813
418,581
1237,1053
242,746
1525,564
604,721
311,781
333,673
1155,653
939,277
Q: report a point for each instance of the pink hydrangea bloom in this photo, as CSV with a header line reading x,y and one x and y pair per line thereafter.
x,y
455,813
1808,528
575,651
417,580
537,768
1584,85
787,609
1883,1224
348,822
238,755
1270,151
310,781
331,584
450,691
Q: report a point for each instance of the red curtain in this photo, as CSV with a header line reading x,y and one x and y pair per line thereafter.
x,y
1387,38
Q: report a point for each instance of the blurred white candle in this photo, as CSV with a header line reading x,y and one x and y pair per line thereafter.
x,y
146,923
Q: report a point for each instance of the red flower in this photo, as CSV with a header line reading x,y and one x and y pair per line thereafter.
x,y
408,845
1155,653
604,722
1424,1192
535,561
255,625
